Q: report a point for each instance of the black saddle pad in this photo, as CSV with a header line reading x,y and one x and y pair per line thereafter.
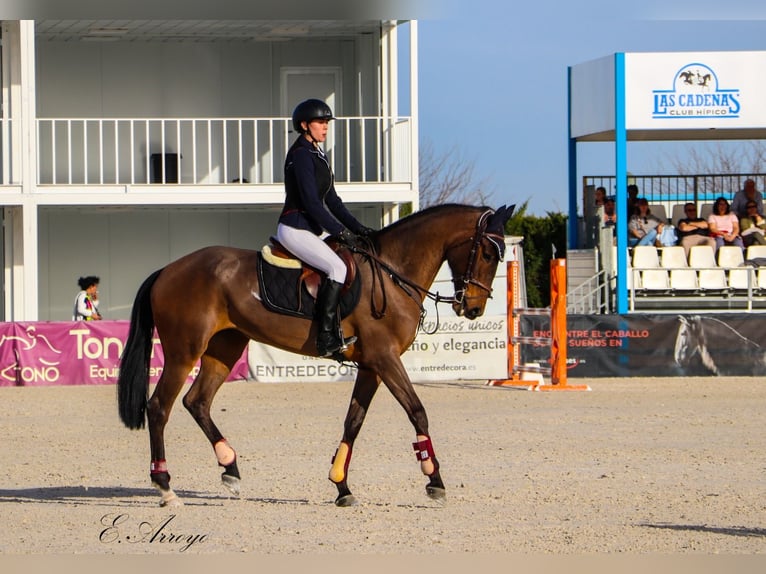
x,y
279,291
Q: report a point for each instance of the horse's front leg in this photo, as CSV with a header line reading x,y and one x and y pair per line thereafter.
x,y
397,380
364,390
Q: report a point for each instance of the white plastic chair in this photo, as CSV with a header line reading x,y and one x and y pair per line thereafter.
x,y
701,256
706,210
755,251
683,280
658,211
673,257
730,258
645,257
677,213
655,280
710,276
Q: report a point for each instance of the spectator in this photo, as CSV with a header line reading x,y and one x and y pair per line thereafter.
x,y
86,301
753,226
724,225
643,227
600,196
747,193
693,230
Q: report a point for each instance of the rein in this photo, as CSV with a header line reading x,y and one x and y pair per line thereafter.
x,y
408,285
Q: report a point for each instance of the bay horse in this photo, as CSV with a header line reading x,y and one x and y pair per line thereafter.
x,y
206,306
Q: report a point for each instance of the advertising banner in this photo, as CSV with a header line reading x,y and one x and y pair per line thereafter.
x,y
703,90
655,345
73,353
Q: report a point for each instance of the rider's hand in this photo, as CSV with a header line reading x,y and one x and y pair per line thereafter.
x,y
351,239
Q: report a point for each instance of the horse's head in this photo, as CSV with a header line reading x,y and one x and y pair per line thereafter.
x,y
690,341
686,341
474,268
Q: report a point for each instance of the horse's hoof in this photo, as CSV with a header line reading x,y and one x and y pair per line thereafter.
x,y
231,483
171,502
346,500
437,494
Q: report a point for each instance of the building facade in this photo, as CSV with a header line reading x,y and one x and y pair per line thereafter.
x,y
127,144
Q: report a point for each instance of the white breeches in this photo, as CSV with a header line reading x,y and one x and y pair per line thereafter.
x,y
313,250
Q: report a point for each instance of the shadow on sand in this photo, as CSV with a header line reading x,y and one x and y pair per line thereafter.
x,y
121,496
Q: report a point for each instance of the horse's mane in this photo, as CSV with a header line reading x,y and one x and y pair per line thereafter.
x,y
417,217
729,329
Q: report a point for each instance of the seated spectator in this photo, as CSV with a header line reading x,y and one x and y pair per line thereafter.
x,y
724,225
643,227
742,197
753,226
693,230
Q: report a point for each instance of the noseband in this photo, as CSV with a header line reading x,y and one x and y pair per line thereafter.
x,y
467,278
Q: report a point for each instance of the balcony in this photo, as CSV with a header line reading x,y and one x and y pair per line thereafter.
x,y
207,151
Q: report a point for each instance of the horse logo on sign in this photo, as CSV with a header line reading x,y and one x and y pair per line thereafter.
x,y
28,356
696,93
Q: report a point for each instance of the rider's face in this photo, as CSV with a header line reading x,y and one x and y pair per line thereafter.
x,y
318,129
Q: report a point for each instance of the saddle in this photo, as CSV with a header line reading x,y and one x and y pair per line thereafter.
x,y
290,286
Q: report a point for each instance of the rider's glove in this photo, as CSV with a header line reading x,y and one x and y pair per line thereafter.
x,y
351,239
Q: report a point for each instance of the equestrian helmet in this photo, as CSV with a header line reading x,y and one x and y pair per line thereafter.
x,y
309,110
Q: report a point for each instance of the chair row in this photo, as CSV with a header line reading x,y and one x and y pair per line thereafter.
x,y
700,256
703,271
699,280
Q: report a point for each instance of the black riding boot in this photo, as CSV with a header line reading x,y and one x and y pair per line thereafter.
x,y
329,338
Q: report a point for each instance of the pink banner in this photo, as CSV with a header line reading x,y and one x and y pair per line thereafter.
x,y
74,353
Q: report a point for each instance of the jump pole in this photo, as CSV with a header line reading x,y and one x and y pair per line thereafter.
x,y
557,341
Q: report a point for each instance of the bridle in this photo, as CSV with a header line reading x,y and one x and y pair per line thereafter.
x,y
468,278
461,284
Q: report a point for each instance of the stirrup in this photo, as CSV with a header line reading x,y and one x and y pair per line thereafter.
x,y
342,345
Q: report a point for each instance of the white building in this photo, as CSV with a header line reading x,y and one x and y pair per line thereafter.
x,y
128,143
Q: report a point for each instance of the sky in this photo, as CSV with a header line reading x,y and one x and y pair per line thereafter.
x,y
493,81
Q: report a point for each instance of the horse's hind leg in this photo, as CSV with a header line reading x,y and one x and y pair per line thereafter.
x,y
224,350
364,390
158,411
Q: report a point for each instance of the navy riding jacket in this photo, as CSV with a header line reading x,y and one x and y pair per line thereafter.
x,y
311,202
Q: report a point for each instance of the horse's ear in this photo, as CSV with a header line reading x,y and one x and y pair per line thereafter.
x,y
499,218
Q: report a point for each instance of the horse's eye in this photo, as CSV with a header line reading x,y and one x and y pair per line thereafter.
x,y
486,255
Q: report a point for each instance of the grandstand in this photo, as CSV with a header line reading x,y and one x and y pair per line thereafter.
x,y
664,279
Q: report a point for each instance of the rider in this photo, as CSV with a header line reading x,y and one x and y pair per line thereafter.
x,y
312,208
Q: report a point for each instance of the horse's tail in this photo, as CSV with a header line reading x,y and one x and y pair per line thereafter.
x,y
133,381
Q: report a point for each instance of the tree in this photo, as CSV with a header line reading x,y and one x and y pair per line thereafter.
x,y
718,157
449,177
542,235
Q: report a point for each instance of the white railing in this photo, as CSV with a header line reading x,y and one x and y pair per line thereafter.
x,y
204,151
